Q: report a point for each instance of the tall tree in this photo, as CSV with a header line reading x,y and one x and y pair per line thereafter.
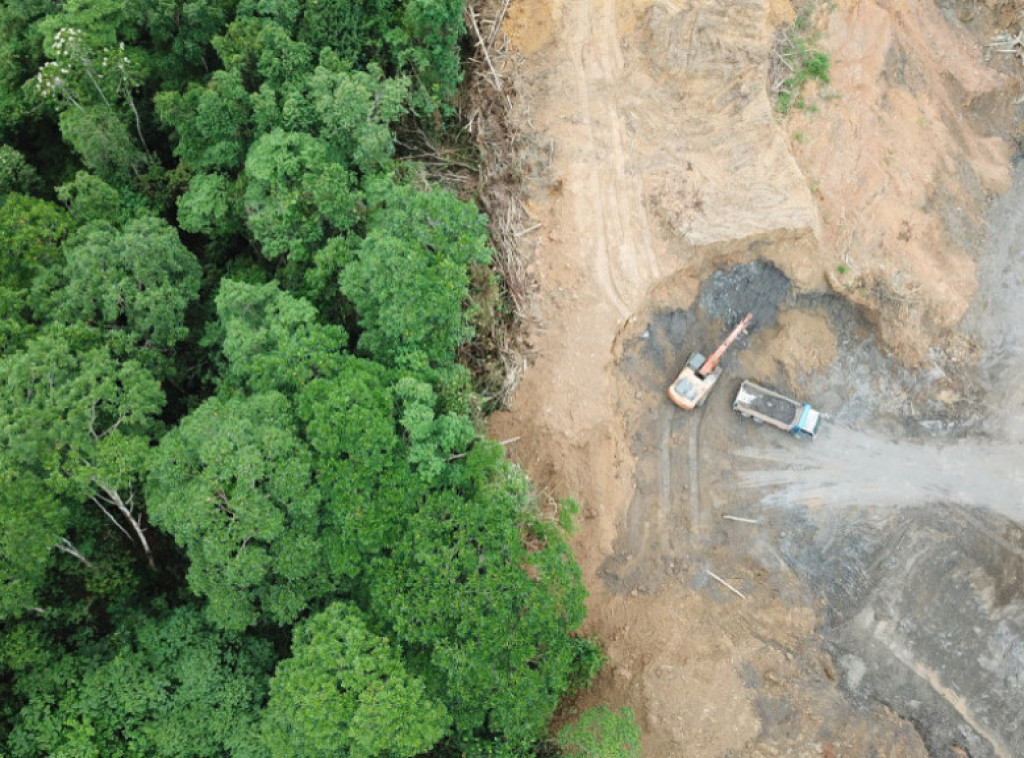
x,y
136,282
296,197
488,622
274,341
345,692
76,424
31,233
233,484
93,89
163,686
410,278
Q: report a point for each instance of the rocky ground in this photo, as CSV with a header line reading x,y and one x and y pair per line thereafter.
x,y
757,595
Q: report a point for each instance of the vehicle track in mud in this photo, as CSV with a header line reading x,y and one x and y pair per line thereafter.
x,y
624,262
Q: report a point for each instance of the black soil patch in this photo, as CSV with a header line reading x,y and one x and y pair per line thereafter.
x,y
654,538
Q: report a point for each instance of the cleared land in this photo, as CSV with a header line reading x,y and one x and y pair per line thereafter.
x,y
883,609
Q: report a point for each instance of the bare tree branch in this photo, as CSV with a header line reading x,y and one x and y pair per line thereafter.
x,y
113,497
65,546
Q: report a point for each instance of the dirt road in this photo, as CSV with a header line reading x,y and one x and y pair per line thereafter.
x,y
875,605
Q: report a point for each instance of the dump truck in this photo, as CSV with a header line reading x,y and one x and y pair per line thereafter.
x,y
765,406
695,381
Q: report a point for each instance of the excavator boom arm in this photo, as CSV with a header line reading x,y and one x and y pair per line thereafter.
x,y
712,362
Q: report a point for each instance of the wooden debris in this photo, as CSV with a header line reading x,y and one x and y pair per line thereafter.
x,y
724,583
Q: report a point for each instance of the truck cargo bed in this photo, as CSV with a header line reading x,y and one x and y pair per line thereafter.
x,y
773,406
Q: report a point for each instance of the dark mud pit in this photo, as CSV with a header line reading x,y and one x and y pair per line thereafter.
x,y
901,522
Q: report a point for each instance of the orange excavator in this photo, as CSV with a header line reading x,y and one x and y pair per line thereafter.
x,y
690,389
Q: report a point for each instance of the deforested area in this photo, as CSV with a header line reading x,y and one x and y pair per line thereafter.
x,y
847,172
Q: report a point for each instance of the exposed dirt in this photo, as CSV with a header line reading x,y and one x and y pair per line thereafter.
x,y
869,600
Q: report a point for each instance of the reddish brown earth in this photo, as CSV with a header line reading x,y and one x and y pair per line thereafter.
x,y
668,162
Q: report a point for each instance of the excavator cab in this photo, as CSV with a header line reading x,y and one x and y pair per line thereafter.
x,y
690,389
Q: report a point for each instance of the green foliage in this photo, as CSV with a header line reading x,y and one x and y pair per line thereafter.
x,y
602,733
212,124
31,231
260,49
366,484
135,283
211,205
16,175
409,278
804,61
296,197
355,111
233,485
102,140
345,691
273,341
356,28
33,522
243,421
433,438
433,28
170,686
89,198
75,422
179,34
489,617
92,87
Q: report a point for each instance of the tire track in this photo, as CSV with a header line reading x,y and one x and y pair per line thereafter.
x,y
665,468
624,262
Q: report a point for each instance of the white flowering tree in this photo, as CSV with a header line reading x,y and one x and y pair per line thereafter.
x,y
92,88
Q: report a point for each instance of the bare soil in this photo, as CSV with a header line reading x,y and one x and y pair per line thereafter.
x,y
757,595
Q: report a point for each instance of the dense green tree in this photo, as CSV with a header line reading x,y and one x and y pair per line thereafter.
x,y
432,437
233,484
345,692
432,29
212,123
355,111
135,283
21,52
409,279
368,488
89,198
16,174
212,205
75,427
162,686
357,29
262,50
179,33
93,89
488,619
296,198
244,421
274,341
31,232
